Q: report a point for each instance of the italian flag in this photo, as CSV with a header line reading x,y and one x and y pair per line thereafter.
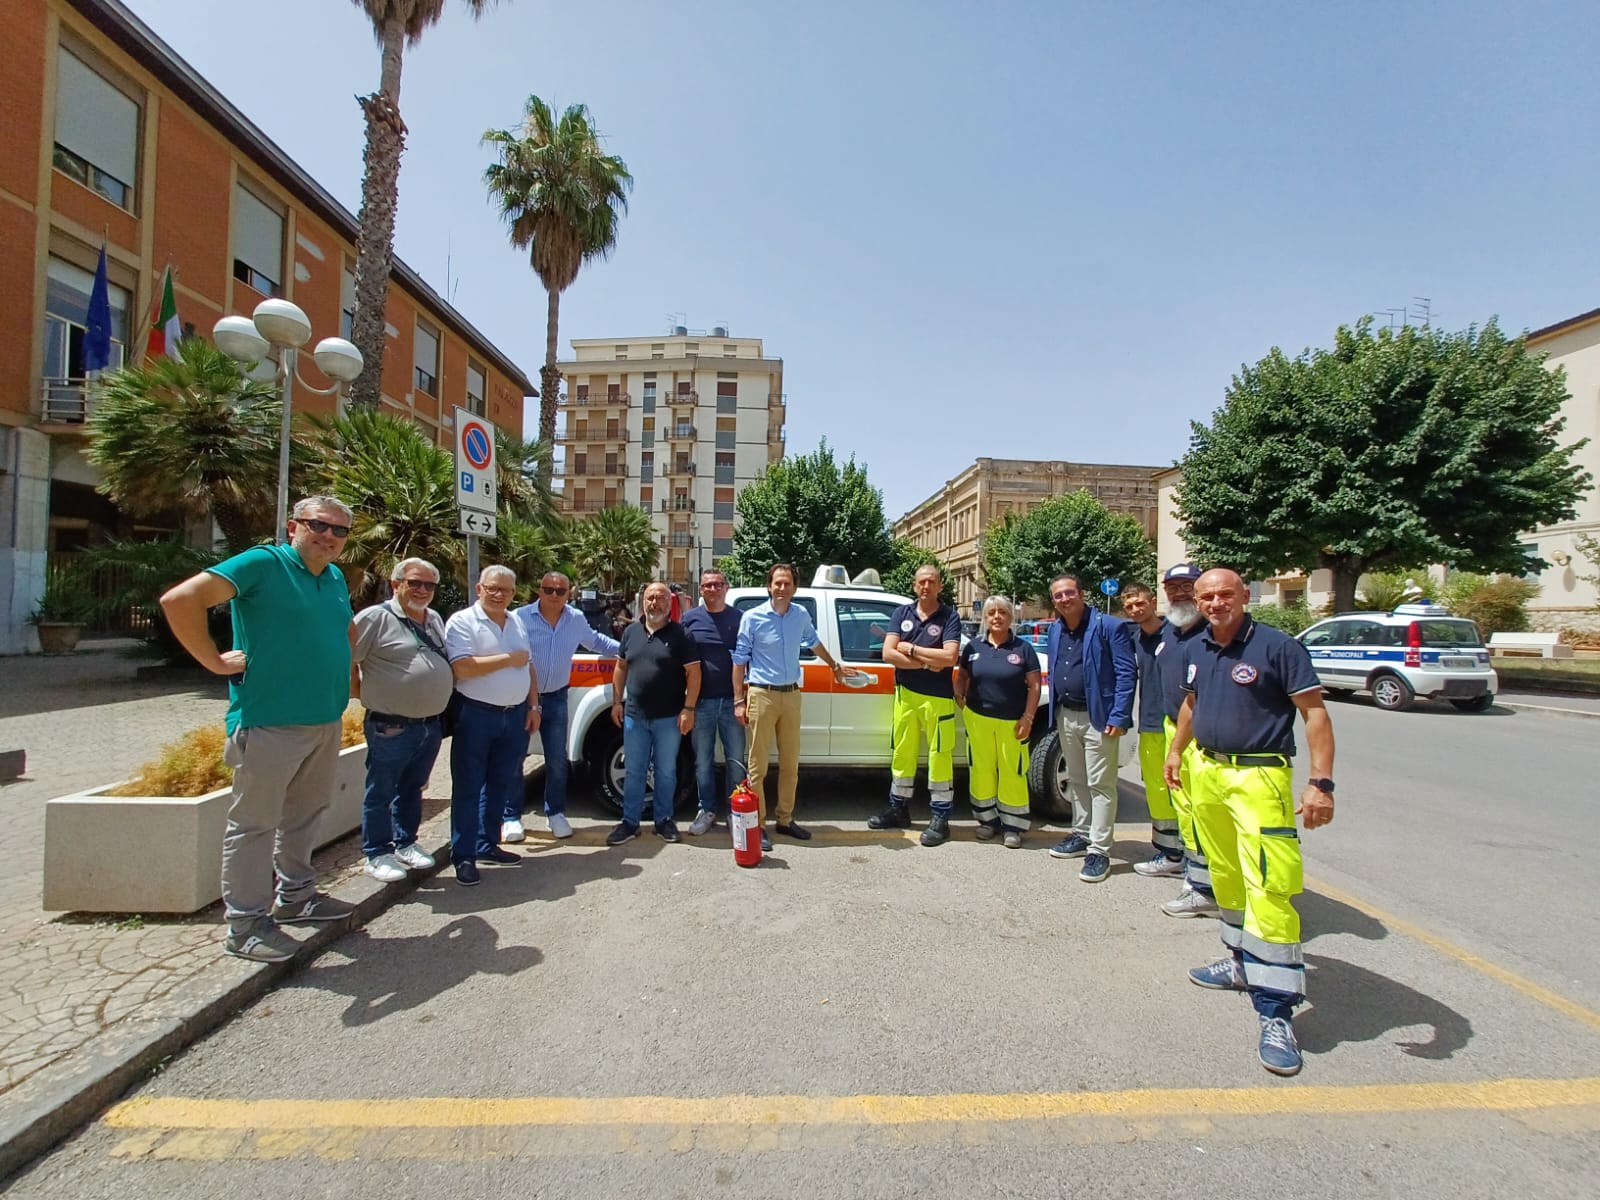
x,y
165,330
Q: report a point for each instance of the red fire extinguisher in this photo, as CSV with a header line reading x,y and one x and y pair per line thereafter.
x,y
744,820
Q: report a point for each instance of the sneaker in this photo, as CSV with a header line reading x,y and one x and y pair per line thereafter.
x,y
766,842
496,855
624,832
260,940
560,826
1013,839
987,831
415,857
1224,975
667,831
512,831
703,823
467,874
1191,903
385,868
1279,1052
1075,846
319,908
1159,864
1095,869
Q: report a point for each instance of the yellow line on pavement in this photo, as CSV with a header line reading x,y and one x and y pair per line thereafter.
x,y
1496,1095
1511,979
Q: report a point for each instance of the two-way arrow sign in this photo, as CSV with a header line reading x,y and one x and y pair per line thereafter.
x,y
481,523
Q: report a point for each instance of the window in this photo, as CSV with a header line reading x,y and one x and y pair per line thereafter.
x,y
97,131
730,352
862,626
66,309
476,390
727,405
648,402
721,546
722,510
257,242
724,468
691,347
647,438
725,439
1331,634
647,468
425,350
347,303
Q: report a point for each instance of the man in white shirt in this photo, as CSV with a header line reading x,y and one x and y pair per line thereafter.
x,y
499,709
555,630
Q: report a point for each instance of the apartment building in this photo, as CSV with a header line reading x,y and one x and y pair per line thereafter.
x,y
676,424
107,137
952,520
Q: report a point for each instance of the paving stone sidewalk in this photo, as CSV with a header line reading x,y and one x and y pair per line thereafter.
x,y
76,988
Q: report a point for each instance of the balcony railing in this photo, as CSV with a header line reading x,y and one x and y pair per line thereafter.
x,y
777,399
66,400
677,504
590,471
683,397
678,468
681,433
584,400
588,433
587,506
685,540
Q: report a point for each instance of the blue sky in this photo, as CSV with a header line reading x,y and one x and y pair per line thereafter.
x,y
1007,229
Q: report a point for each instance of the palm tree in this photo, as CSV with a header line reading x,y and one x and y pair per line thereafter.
x,y
193,434
616,548
396,24
522,471
562,197
400,487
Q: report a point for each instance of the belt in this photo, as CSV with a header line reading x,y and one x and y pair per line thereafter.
x,y
394,719
560,691
490,707
1246,760
777,687
1071,707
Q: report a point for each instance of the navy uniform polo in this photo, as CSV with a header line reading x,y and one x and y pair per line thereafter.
x,y
999,676
930,634
1169,657
1147,651
1244,691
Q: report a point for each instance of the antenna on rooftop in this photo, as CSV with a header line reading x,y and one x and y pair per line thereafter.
x,y
1424,309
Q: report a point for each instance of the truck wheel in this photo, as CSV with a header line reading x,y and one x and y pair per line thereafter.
x,y
605,762
1047,778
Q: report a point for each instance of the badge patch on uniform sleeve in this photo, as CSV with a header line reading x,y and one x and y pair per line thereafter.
x,y
1244,673
905,626
1193,670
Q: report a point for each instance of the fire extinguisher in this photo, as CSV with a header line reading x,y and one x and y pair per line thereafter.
x,y
744,821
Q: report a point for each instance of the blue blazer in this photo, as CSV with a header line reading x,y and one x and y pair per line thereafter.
x,y
1110,668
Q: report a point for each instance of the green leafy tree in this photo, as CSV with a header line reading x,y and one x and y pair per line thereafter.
x,y
522,471
562,197
1394,447
1588,546
616,548
396,24
1382,591
905,559
808,510
193,435
1071,533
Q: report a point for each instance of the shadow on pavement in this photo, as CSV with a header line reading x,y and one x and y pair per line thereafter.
x,y
1353,1004
1321,915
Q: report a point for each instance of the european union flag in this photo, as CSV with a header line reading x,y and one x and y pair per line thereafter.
x,y
97,338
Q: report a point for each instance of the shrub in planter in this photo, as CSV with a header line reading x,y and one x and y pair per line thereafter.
x,y
192,765
1499,605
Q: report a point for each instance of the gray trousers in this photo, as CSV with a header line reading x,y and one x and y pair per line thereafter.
x,y
283,777
1091,759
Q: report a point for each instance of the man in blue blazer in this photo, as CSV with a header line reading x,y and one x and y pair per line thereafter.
x,y
1093,670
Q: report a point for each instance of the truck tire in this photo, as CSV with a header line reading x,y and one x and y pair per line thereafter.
x,y
1047,779
603,755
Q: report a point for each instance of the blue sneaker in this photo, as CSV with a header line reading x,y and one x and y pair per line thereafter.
x,y
1279,1052
1095,868
1224,975
1075,846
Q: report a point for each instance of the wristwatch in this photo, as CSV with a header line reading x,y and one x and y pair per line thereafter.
x,y
1325,786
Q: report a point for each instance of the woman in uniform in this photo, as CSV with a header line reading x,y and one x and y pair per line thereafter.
x,y
997,689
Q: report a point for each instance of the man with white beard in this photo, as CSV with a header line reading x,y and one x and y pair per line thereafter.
x,y
1183,622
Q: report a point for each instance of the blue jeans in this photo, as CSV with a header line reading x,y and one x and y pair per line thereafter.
x,y
712,718
486,756
553,738
646,741
399,760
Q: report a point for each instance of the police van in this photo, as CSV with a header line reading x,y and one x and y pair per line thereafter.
x,y
1415,650
842,725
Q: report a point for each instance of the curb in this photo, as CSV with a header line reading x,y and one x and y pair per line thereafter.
x,y
53,1105
1524,706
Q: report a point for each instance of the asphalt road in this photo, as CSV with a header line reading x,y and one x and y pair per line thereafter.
x,y
866,1017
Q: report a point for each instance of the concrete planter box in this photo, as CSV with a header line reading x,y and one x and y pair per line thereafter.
x,y
160,854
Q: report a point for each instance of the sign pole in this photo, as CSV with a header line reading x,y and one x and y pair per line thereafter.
x,y
472,565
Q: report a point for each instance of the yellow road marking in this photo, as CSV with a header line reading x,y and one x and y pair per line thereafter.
x,y
298,1116
1511,979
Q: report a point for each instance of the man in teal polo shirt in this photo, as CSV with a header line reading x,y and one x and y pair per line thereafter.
x,y
290,682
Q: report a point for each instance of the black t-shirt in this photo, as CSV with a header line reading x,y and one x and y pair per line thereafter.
x,y
999,676
1151,710
656,682
716,634
1243,692
1068,682
932,634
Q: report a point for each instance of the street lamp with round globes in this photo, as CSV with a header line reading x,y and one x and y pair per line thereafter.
x,y
278,323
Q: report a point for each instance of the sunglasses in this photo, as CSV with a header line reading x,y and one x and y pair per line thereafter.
x,y
421,585
1062,595
317,526
713,583
553,591
489,589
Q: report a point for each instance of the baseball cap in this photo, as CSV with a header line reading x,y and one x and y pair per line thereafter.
x,y
1181,571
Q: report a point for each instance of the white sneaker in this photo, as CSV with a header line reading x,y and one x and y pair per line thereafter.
x,y
703,823
512,831
560,826
1158,865
386,868
1190,903
415,857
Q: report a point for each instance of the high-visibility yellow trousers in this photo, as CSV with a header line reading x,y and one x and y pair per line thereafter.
x,y
1157,798
916,716
998,775
1244,817
1197,870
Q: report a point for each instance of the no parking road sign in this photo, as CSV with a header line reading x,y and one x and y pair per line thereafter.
x,y
475,486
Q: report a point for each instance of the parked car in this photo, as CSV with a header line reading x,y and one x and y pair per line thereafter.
x,y
1415,650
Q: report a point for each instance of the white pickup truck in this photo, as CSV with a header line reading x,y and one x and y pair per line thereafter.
x,y
840,726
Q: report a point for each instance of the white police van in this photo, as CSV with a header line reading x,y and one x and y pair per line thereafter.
x,y
1416,650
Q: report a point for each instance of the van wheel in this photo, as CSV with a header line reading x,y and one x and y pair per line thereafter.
x,y
605,762
1392,693
1047,778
